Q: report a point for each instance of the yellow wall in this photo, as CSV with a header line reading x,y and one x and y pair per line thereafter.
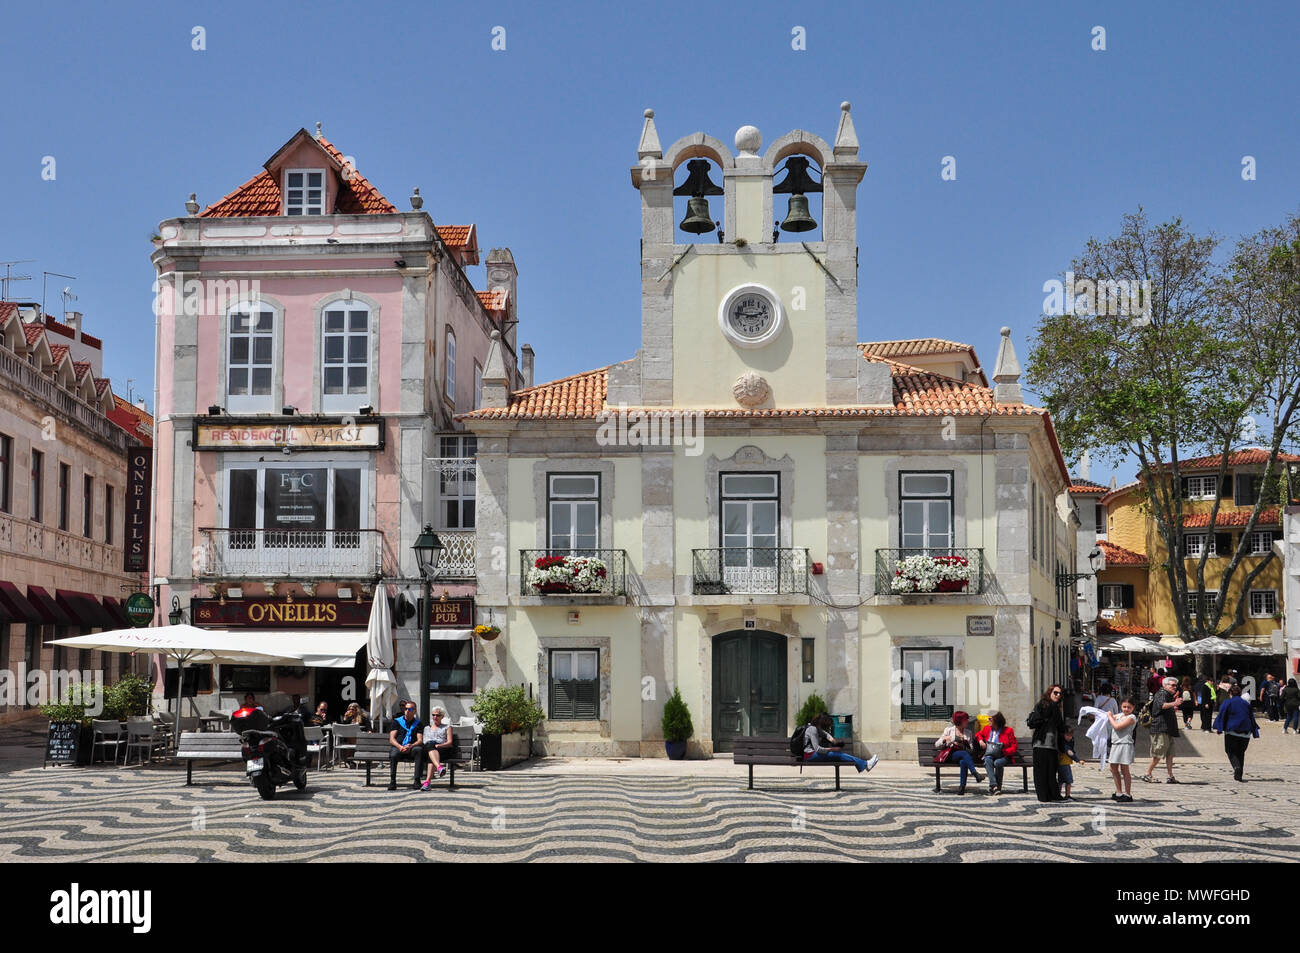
x,y
706,364
1126,524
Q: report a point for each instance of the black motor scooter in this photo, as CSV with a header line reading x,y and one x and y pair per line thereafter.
x,y
274,749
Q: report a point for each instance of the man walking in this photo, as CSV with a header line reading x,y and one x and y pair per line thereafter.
x,y
1236,722
1208,696
1270,694
1164,728
406,742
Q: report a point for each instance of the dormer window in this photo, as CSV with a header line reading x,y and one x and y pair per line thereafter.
x,y
304,192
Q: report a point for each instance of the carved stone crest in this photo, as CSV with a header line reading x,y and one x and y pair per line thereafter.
x,y
751,389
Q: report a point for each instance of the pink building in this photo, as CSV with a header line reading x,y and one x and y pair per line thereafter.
x,y
314,345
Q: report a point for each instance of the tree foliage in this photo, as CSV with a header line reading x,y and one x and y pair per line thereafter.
x,y
1218,343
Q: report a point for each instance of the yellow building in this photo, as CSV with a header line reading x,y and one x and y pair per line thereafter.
x,y
1134,588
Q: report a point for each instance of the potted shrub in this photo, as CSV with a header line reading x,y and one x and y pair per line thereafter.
x,y
677,726
503,711
130,697
922,573
813,706
552,575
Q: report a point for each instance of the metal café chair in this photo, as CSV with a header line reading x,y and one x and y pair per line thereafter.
x,y
316,745
105,733
345,741
142,736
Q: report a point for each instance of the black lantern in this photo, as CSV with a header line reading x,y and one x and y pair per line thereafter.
x,y
177,615
428,553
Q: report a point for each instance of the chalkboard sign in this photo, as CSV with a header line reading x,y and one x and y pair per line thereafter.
x,y
63,741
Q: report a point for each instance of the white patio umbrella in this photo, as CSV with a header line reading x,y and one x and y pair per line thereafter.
x,y
380,680
1136,645
188,644
1216,645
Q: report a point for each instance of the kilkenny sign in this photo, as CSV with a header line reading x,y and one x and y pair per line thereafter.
x,y
342,435
139,490
302,613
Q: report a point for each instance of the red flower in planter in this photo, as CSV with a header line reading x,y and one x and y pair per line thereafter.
x,y
546,562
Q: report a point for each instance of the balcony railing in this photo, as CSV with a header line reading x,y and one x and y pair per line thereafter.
x,y
749,571
323,553
457,554
565,574
901,572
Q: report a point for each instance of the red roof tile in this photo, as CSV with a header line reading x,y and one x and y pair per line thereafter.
x,y
1105,625
1081,487
1119,556
260,195
80,368
457,235
914,347
33,332
7,308
136,422
1227,518
58,352
493,300
58,327
1253,456
101,384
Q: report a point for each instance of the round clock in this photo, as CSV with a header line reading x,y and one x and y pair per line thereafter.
x,y
751,315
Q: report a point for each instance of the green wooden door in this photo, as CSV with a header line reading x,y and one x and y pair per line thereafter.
x,y
749,679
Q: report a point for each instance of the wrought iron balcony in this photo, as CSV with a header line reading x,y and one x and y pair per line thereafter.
x,y
319,553
564,572
749,571
458,554
903,572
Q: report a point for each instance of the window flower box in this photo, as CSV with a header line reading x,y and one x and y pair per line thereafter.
x,y
924,574
557,575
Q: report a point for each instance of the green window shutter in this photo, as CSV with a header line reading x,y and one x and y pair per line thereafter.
x,y
561,701
586,700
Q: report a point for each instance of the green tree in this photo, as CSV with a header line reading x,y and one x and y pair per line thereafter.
x,y
1202,346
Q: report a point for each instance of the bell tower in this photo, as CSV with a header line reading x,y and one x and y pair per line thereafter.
x,y
739,310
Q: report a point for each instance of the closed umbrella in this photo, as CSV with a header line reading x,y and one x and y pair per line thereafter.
x,y
380,680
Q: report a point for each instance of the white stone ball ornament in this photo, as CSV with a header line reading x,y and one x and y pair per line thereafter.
x,y
748,140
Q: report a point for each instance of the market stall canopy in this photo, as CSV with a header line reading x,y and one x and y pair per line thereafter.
x,y
334,648
1138,646
1215,645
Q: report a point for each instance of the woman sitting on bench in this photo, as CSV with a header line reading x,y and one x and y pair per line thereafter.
x,y
437,739
819,730
954,747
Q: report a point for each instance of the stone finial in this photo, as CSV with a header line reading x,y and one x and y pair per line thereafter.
x,y
417,202
1006,374
748,140
192,206
319,132
846,137
496,383
649,147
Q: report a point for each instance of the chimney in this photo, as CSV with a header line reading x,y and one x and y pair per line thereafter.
x,y
502,275
1085,466
141,405
496,384
528,357
1006,375
73,320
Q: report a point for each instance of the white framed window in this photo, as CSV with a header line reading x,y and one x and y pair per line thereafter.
x,y
749,528
1263,603
1202,487
1195,543
345,356
1112,596
456,493
573,509
1261,543
575,685
925,510
478,385
1211,600
250,358
449,374
304,192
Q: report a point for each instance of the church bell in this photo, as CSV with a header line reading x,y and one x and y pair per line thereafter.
x,y
698,185
797,181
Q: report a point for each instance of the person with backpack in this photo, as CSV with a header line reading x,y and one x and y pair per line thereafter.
x,y
1163,727
1290,702
1048,723
817,744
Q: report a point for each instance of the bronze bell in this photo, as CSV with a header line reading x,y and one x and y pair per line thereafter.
x,y
797,218
697,218
796,183
697,186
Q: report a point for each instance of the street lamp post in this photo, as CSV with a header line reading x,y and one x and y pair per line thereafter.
x,y
428,553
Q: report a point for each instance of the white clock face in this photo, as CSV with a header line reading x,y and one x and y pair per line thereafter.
x,y
751,315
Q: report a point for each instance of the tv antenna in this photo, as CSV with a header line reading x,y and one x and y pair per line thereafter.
x,y
45,276
10,276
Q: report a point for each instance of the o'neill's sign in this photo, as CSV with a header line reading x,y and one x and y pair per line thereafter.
x,y
275,613
139,489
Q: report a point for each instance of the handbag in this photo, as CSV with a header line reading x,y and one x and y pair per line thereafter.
x,y
994,749
942,756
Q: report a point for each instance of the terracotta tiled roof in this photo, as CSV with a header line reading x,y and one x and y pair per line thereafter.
x,y
136,422
493,300
914,347
1228,518
101,384
260,195
7,308
455,234
1120,491
80,369
59,352
1253,456
58,327
33,333
578,396
1081,487
1105,625
1119,556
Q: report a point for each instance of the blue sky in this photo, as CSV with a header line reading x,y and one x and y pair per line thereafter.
x,y
1053,141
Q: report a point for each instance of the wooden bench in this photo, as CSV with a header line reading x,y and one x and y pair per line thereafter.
x,y
207,746
373,747
775,750
1023,759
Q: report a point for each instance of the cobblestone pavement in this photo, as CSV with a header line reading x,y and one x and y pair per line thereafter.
x,y
556,810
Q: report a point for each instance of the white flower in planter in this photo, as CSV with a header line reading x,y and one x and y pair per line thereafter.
x,y
921,573
578,573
